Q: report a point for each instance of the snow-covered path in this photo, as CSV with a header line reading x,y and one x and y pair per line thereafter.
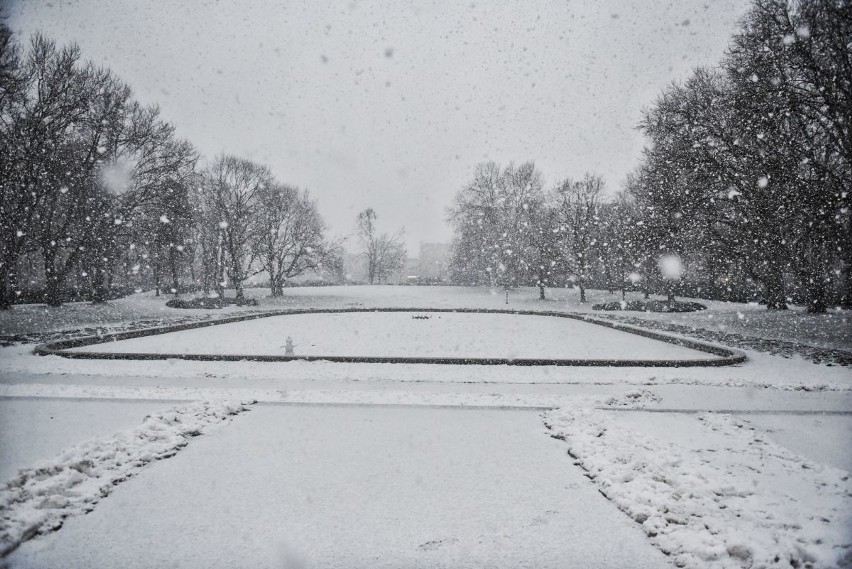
x,y
356,487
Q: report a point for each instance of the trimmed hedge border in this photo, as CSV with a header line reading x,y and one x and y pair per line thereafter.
x,y
727,356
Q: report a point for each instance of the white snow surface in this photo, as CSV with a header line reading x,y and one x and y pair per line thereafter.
x,y
39,498
711,490
409,334
357,488
37,429
308,436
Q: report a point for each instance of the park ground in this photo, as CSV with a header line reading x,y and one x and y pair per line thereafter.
x,y
318,464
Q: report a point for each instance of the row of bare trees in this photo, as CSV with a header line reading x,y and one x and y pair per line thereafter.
x,y
249,223
745,185
99,196
510,232
85,170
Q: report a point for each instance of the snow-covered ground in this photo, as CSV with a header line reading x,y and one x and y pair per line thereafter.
x,y
713,490
37,429
319,424
37,499
357,487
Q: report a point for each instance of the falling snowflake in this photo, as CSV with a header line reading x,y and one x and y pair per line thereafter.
x,y
671,267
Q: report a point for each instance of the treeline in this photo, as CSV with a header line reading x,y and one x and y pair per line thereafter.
x,y
749,168
510,232
743,192
98,196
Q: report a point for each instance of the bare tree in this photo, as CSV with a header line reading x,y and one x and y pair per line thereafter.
x,y
290,235
385,253
70,204
578,205
42,106
13,195
232,188
146,176
493,217
545,236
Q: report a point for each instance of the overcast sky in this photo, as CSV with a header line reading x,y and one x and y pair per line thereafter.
x,y
391,104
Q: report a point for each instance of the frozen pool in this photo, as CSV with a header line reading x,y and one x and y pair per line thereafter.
x,y
409,334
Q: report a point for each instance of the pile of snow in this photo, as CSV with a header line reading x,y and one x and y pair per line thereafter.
x,y
38,499
634,399
718,496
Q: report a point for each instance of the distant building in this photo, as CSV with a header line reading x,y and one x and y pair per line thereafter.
x,y
355,268
434,262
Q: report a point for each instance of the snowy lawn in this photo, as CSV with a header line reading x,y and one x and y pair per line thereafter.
x,y
29,318
410,334
357,488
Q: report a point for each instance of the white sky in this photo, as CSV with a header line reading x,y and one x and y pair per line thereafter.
x,y
391,104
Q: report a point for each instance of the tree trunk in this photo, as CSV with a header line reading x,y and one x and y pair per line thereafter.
x,y
276,286
816,279
775,297
52,277
608,277
173,265
582,291
54,288
541,291
5,290
156,268
846,287
220,270
646,280
816,296
99,289
238,281
7,280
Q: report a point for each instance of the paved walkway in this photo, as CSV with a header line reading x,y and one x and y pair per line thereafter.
x,y
349,487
